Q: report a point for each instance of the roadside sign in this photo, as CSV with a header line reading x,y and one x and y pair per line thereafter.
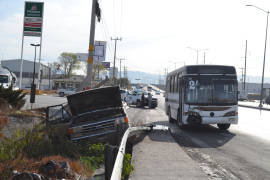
x,y
99,53
33,19
106,65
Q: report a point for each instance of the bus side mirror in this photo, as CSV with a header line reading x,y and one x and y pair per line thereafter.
x,y
13,80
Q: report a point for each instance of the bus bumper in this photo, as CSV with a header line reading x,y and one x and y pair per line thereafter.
x,y
214,120
220,120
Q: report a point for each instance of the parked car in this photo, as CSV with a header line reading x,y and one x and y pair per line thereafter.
x,y
67,91
95,116
123,93
157,92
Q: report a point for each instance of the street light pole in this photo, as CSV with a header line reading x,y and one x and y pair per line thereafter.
x,y
33,86
265,44
197,51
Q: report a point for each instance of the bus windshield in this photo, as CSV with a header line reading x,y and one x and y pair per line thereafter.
x,y
211,92
224,92
3,79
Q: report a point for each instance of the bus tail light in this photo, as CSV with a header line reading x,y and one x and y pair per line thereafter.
x,y
231,113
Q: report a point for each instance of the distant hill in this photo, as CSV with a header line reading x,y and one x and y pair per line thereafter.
x,y
148,78
143,77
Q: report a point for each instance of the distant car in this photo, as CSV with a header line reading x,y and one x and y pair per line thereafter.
x,y
66,92
157,92
134,98
123,93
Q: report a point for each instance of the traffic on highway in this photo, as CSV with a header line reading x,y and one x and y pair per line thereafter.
x,y
134,90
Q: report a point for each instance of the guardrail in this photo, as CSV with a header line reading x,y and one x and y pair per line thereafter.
x,y
118,165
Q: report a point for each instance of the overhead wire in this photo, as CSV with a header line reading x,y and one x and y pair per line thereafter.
x,y
106,34
114,24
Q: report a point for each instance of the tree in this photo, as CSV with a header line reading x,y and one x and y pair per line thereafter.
x,y
95,70
68,63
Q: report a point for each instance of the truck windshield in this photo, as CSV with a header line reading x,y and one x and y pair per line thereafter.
x,y
3,79
211,92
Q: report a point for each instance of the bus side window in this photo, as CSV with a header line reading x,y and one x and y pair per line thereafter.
x,y
175,83
170,82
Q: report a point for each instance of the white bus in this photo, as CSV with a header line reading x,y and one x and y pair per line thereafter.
x,y
7,78
202,94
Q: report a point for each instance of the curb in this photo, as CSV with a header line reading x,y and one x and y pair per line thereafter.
x,y
254,107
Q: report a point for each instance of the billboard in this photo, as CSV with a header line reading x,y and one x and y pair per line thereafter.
x,y
33,18
99,53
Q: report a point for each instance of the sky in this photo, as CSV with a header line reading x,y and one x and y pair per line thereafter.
x,y
155,34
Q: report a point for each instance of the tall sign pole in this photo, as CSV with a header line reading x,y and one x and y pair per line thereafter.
x,y
32,25
40,53
21,68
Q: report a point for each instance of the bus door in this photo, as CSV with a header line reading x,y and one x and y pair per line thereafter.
x,y
181,99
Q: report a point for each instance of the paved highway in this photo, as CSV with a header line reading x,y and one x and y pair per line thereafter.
x,y
42,101
243,152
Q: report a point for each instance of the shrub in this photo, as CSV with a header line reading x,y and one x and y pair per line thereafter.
x,y
127,166
15,98
93,157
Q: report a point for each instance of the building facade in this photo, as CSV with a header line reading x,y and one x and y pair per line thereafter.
x,y
27,72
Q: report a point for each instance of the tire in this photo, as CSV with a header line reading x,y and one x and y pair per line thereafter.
x,y
179,122
169,116
223,126
61,94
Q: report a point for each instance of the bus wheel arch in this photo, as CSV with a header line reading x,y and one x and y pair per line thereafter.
x,y
170,115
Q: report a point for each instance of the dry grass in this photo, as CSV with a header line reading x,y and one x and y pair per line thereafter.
x,y
29,113
33,165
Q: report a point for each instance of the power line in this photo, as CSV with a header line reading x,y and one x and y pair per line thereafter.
x,y
114,26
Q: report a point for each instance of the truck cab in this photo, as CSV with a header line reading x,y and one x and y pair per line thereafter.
x,y
95,115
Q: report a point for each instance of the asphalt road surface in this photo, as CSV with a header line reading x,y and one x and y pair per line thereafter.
x,y
242,152
42,101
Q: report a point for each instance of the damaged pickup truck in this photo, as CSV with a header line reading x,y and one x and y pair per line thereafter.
x,y
95,115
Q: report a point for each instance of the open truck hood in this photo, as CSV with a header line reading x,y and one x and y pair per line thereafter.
x,y
94,99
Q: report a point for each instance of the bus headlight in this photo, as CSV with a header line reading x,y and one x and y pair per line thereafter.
x,y
231,113
191,113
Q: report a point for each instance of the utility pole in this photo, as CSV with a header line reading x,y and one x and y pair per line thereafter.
x,y
242,79
121,59
245,67
125,72
87,82
115,43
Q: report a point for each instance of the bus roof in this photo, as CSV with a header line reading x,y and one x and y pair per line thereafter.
x,y
204,69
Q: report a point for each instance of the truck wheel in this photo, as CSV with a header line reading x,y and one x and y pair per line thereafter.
x,y
169,116
223,126
138,104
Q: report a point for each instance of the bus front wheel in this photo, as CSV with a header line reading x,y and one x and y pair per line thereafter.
x,y
179,121
223,126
